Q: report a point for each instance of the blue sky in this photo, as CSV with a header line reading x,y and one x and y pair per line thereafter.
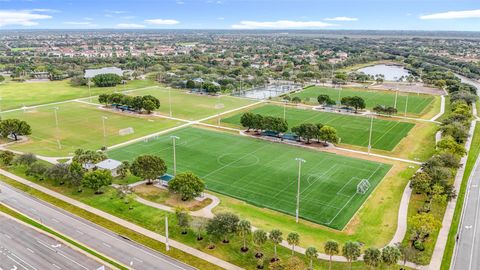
x,y
462,15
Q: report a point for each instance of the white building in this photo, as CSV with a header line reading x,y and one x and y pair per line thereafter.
x,y
90,73
110,165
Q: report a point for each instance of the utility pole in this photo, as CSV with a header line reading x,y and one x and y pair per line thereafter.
x,y
174,138
370,136
396,96
300,161
104,131
55,109
406,106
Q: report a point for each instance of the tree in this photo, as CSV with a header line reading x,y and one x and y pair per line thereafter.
x,y
328,134
96,180
293,240
311,253
357,103
26,159
306,131
2,79
223,225
190,84
199,227
123,169
36,170
150,103
7,157
183,220
390,255
331,248
325,100
76,175
420,182
257,122
247,120
188,185
106,80
421,225
351,251
148,167
449,145
103,99
372,257
244,230
296,100
407,252
59,173
259,239
15,128
88,156
276,237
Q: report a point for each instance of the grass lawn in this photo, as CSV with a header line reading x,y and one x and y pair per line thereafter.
x,y
80,126
192,106
265,173
417,104
351,129
18,94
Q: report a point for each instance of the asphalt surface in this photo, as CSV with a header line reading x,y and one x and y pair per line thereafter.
x,y
467,253
22,247
121,249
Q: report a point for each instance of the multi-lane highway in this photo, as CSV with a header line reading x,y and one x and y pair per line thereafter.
x,y
22,248
112,245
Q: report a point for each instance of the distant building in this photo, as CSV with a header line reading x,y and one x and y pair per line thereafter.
x,y
110,165
90,73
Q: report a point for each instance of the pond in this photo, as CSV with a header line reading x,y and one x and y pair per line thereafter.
x,y
391,72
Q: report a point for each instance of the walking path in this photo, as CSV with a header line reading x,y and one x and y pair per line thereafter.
x,y
442,109
124,223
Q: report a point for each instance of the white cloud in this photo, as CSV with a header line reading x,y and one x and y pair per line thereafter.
x,y
341,19
130,25
115,11
465,14
282,24
21,17
162,21
221,18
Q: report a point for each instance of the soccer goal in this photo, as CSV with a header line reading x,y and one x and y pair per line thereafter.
x,y
363,186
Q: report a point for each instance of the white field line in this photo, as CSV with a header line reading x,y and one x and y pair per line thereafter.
x,y
380,156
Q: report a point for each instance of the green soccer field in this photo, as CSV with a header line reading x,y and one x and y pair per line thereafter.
x,y
351,129
265,173
80,126
192,106
416,103
18,94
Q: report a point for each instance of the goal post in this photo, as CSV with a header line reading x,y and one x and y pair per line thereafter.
x,y
363,186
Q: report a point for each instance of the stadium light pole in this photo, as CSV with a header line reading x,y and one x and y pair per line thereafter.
x,y
170,100
370,135
285,109
406,106
300,161
167,245
174,138
396,96
89,90
55,109
104,130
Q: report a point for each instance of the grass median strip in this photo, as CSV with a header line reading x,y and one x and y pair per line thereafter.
x,y
35,224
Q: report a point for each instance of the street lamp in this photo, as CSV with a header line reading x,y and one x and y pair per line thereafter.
x,y
300,161
104,130
284,108
170,101
174,138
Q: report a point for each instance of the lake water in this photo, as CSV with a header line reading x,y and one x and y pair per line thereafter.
x,y
391,73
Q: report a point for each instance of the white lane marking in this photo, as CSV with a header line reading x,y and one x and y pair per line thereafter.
x,y
56,266
59,252
80,232
13,268
56,246
138,260
54,220
8,256
468,227
23,261
33,210
107,245
8,236
31,251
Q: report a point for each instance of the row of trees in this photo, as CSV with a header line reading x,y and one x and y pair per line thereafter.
x,y
107,80
148,103
223,226
308,131
388,110
259,123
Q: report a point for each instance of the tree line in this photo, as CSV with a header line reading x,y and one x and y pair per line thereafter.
x,y
148,103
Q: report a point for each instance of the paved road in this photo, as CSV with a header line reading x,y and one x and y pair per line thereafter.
x,y
122,250
467,253
23,248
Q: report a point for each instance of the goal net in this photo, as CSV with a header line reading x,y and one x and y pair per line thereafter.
x,y
363,186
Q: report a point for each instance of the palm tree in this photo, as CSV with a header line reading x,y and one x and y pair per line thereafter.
x,y
390,255
372,257
311,254
276,237
351,251
331,248
259,239
293,240
244,230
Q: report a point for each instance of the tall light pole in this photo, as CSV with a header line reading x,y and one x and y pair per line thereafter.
x,y
89,90
170,101
285,109
406,106
339,90
104,131
174,138
370,135
167,245
300,161
55,109
396,96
